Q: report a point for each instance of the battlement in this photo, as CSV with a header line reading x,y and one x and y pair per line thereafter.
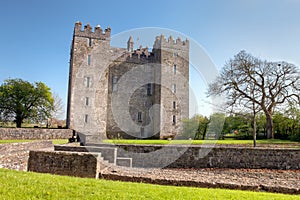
x,y
89,33
142,51
161,42
141,55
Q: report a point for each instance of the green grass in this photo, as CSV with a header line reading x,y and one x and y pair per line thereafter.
x,y
60,141
56,141
28,185
199,142
14,141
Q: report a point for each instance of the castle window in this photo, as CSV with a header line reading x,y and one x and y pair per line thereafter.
x,y
149,89
90,42
86,101
174,119
139,117
86,117
174,69
142,132
89,60
87,82
114,83
174,105
174,88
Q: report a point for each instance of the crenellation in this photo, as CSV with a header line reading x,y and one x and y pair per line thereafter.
x,y
98,30
138,53
162,42
88,29
89,33
178,40
78,26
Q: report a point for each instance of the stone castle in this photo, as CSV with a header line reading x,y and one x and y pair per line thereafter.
x,y
126,92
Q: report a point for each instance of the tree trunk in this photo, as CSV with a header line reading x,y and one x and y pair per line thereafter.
x,y
254,131
204,132
270,127
18,121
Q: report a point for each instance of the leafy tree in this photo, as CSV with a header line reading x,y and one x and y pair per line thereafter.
x,y
195,127
234,122
287,123
215,126
20,100
293,112
190,127
282,125
247,80
261,124
202,127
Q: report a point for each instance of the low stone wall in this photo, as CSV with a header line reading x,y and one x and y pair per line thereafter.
x,y
180,156
15,155
239,179
34,134
108,153
65,163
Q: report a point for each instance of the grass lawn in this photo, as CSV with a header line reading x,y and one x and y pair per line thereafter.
x,y
28,185
199,142
56,141
14,141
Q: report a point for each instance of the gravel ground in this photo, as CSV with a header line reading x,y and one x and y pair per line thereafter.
x,y
283,181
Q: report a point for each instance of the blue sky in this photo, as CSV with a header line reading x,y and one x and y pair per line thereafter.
x,y
36,35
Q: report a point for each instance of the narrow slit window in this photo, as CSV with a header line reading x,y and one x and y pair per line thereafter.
x,y
149,89
174,69
87,82
139,117
86,101
86,118
89,60
114,83
174,88
90,42
174,104
174,119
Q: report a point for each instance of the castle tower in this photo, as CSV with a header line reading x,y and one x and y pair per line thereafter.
x,y
130,44
88,60
173,55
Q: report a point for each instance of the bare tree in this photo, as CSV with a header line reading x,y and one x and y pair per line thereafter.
x,y
250,106
58,110
259,84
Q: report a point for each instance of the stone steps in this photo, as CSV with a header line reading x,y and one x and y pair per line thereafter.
x,y
109,153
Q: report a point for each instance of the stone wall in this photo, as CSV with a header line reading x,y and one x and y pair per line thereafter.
x,y
15,155
180,156
34,134
65,163
108,153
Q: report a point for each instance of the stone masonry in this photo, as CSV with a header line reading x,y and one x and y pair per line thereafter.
x,y
65,163
206,156
126,92
34,134
15,155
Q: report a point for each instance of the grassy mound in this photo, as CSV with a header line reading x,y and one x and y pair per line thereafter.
x,y
28,185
